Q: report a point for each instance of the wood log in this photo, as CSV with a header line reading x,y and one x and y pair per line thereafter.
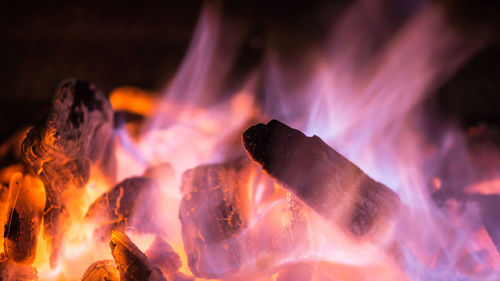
x,y
164,256
12,271
132,264
212,214
73,135
323,179
101,270
26,204
119,207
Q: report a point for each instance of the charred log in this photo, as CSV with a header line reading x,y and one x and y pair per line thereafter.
x,y
322,178
10,270
101,270
61,148
118,208
164,256
132,264
27,201
212,214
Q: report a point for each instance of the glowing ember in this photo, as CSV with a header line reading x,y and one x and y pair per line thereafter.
x,y
171,194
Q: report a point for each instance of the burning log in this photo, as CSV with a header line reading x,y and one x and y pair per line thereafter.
x,y
117,208
322,178
10,270
212,214
101,270
132,264
61,148
27,200
164,256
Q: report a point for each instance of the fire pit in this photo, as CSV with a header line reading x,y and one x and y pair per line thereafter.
x,y
326,166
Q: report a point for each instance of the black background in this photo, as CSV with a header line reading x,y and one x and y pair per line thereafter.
x,y
141,43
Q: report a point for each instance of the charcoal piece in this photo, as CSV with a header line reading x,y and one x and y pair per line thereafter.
x,y
281,233
132,264
118,208
71,137
164,256
12,271
24,218
212,214
489,207
322,178
101,270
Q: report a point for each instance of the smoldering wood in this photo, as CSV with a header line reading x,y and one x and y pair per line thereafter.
x,y
283,232
10,270
322,178
118,208
212,214
24,218
164,256
71,137
132,264
101,270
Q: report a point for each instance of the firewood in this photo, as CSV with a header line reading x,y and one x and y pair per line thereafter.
x,y
132,264
164,256
26,203
10,270
117,208
61,148
101,270
212,214
323,179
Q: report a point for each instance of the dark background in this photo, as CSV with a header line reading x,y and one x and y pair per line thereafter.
x,y
141,43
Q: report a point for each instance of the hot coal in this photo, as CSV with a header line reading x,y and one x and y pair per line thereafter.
x,y
117,208
101,270
73,135
24,218
132,264
325,180
10,270
164,256
213,213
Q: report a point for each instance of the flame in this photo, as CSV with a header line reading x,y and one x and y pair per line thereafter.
x,y
367,104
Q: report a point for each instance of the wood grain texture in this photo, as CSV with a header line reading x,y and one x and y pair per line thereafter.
x,y
132,264
322,178
72,136
24,218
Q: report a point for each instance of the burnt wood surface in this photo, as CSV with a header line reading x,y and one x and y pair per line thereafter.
x,y
322,178
212,214
164,256
132,264
101,271
61,148
10,270
118,208
24,218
